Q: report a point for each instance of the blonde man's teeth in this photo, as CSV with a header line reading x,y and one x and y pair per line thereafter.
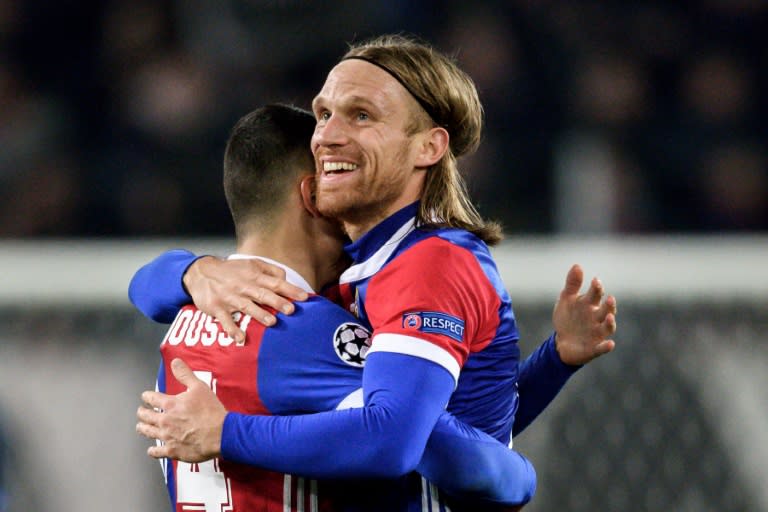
x,y
338,166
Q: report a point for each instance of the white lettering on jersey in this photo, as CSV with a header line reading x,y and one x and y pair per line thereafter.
x,y
193,326
203,486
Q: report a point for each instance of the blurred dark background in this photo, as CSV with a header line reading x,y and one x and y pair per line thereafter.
x,y
601,116
604,117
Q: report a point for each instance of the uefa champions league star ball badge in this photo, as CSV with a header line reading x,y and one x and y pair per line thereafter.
x,y
351,342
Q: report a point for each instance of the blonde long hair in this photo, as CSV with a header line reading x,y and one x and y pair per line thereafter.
x,y
449,99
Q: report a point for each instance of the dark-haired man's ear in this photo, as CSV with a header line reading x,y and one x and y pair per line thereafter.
x,y
308,195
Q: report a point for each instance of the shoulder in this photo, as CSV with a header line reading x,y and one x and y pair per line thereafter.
x,y
314,320
447,242
436,252
317,309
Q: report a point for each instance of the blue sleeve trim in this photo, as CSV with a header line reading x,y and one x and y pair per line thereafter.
x,y
157,289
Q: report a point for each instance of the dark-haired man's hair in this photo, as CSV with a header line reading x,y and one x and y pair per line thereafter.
x,y
267,150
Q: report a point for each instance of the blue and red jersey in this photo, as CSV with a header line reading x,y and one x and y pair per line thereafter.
x,y
273,372
437,294
443,333
278,371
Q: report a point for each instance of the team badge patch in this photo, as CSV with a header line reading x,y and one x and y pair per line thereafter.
x,y
435,322
351,342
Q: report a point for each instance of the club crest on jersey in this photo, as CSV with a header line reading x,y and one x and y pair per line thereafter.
x,y
435,322
351,342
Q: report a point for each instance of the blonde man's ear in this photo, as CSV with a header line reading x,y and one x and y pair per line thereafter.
x,y
434,146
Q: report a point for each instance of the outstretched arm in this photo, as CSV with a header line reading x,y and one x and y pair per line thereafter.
x,y
542,376
583,324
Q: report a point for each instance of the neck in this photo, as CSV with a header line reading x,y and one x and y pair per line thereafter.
x,y
297,243
286,246
355,230
357,226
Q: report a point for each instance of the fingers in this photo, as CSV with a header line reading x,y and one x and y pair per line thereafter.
x,y
595,293
148,424
229,325
223,287
152,423
573,281
264,296
610,324
149,427
156,399
183,373
224,312
255,297
160,452
272,295
263,267
271,288
251,305
149,417
273,279
604,347
148,431
608,307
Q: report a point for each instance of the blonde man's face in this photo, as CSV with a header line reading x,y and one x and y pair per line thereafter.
x,y
365,160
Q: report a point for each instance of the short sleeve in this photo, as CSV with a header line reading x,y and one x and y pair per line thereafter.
x,y
433,301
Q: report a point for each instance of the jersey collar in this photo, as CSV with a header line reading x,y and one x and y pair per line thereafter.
x,y
291,275
373,249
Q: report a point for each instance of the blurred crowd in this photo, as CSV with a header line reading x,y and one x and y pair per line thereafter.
x,y
601,116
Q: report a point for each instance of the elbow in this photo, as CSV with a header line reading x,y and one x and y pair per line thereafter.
x,y
139,300
161,315
132,292
396,459
511,488
146,306
528,485
390,467
153,313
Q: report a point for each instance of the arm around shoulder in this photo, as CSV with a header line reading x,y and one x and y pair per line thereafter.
x,y
156,289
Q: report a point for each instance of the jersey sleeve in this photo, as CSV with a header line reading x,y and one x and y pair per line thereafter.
x,y
403,397
474,468
433,301
398,430
542,376
157,290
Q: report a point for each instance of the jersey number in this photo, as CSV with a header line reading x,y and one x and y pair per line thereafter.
x,y
203,486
